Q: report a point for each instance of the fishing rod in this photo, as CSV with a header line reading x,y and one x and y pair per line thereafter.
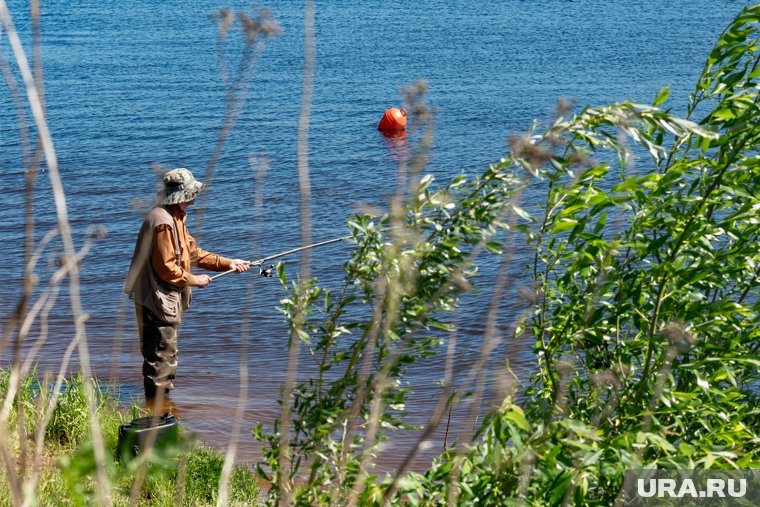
x,y
268,270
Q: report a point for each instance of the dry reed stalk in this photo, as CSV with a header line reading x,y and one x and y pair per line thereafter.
x,y
350,421
256,32
379,384
305,203
15,93
36,106
491,339
388,299
475,372
237,91
42,307
41,310
118,340
47,299
28,284
445,400
388,292
31,173
179,489
260,169
419,160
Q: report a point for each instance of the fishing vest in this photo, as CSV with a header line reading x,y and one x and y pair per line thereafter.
x,y
167,301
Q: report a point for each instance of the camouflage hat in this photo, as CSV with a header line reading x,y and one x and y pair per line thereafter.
x,y
179,186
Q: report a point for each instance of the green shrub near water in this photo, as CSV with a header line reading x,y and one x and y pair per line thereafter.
x,y
648,300
645,311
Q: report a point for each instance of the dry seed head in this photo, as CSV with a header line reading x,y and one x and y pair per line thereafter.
x,y
523,148
564,367
506,385
269,27
414,103
62,260
458,281
158,170
251,28
677,334
530,296
580,160
564,106
415,91
604,378
263,24
98,231
223,19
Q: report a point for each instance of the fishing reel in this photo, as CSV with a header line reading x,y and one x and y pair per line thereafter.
x,y
267,271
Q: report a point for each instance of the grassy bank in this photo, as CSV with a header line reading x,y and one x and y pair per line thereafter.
x,y
184,474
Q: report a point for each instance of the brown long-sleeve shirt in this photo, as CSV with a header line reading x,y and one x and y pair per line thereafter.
x,y
164,259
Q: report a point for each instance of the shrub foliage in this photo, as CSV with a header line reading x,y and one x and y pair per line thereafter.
x,y
645,269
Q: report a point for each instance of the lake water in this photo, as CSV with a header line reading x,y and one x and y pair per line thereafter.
x,y
129,83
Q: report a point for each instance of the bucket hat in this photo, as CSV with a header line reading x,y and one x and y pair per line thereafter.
x,y
179,186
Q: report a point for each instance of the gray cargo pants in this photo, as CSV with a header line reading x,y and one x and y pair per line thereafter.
x,y
158,345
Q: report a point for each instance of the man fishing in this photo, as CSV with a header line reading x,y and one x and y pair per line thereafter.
x,y
159,279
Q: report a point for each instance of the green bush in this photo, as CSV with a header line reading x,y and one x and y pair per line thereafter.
x,y
646,258
646,318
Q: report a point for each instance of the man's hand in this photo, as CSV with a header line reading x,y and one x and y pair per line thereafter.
x,y
240,265
202,280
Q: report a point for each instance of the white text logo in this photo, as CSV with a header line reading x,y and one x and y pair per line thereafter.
x,y
672,488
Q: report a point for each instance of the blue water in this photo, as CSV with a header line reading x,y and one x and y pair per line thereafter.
x,y
129,83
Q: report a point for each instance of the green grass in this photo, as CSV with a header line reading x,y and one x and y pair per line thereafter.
x,y
67,471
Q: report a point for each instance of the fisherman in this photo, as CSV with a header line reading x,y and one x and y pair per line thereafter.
x,y
159,279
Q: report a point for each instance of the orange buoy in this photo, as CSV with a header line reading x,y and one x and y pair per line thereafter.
x,y
393,119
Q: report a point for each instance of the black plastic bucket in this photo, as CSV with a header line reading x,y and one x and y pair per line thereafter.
x,y
135,436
